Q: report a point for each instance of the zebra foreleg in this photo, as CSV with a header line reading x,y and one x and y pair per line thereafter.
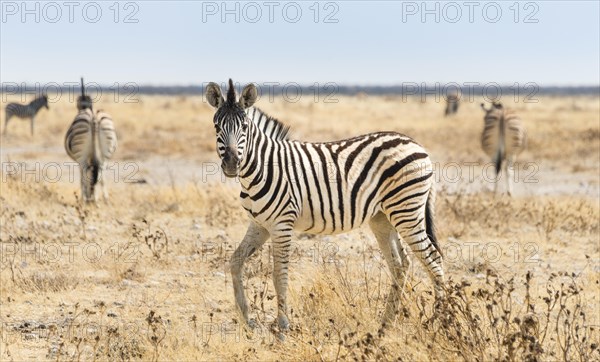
x,y
281,237
255,237
397,260
6,123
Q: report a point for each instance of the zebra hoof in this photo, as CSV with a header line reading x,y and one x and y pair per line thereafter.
x,y
280,337
283,324
251,324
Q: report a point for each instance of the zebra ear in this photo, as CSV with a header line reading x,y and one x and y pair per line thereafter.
x,y
249,96
214,95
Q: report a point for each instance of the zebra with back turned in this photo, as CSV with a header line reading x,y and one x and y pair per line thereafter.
x,y
382,178
503,138
90,141
24,111
452,103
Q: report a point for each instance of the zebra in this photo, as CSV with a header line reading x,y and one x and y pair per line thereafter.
x,y
452,103
383,179
503,138
25,111
90,141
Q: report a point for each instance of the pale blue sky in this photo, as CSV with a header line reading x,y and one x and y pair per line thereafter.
x,y
370,44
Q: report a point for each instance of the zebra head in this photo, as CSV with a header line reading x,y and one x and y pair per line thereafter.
x,y
231,123
45,98
496,106
83,101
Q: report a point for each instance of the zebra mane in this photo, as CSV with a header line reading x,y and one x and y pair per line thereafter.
x,y
268,125
231,93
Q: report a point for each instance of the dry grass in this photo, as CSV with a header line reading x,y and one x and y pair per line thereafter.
x,y
145,277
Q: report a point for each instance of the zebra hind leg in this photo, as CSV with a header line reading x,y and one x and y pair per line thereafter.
x,y
82,177
421,244
87,185
510,170
255,237
397,260
102,184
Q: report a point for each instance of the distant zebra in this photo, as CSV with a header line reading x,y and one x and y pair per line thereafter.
x,y
25,111
382,178
90,141
503,138
452,103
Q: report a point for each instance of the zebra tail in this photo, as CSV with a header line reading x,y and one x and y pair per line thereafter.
x,y
95,172
92,173
501,146
498,160
429,224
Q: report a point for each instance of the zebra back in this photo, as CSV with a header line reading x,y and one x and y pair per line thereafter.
x,y
79,138
503,133
515,134
91,137
106,135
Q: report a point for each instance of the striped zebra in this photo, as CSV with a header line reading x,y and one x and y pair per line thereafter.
x,y
383,179
503,138
90,141
452,103
24,111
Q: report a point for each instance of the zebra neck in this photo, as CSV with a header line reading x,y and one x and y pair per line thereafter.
x,y
36,104
258,156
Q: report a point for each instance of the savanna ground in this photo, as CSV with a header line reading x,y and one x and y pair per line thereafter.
x,y
145,276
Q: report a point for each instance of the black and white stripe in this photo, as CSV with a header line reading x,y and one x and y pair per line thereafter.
x,y
383,179
24,111
91,141
503,138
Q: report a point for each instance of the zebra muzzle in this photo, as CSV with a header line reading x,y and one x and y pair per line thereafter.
x,y
230,170
230,164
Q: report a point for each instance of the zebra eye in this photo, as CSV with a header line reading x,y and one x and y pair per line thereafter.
x,y
217,128
244,126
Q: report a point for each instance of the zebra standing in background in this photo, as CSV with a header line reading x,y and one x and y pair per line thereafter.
x,y
382,178
452,103
503,138
90,141
25,111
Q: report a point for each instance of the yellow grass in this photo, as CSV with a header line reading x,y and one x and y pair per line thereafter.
x,y
145,276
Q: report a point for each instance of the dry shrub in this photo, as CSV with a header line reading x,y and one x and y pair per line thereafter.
x,y
154,238
44,282
476,321
94,334
464,214
487,322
